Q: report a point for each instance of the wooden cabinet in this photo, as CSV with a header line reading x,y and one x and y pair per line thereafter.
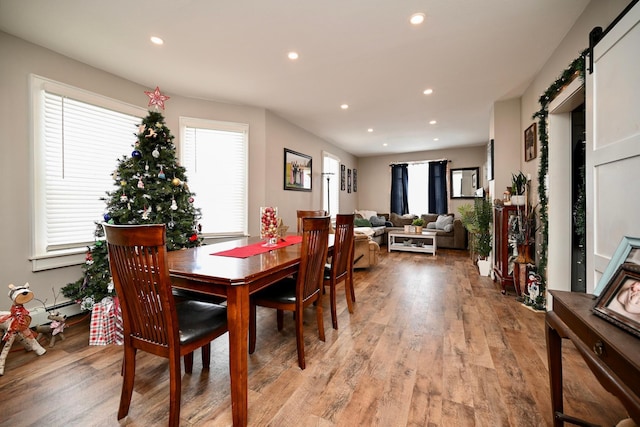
x,y
504,249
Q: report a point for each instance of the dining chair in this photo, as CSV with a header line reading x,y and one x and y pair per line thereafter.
x,y
295,294
308,214
341,267
152,320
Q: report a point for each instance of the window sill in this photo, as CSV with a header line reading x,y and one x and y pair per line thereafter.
x,y
66,259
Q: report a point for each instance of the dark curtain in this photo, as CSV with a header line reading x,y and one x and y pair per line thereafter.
x,y
438,187
399,186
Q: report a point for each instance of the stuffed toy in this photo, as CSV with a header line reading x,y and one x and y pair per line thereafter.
x,y
56,327
16,323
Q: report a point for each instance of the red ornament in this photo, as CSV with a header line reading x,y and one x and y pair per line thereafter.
x,y
193,237
156,98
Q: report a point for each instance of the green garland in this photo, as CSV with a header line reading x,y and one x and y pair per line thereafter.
x,y
577,66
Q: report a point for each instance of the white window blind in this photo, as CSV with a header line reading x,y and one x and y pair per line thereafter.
x,y
215,155
78,138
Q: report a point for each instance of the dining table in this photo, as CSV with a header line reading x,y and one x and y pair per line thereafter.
x,y
232,270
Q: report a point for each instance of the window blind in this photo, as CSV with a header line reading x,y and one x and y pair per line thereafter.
x,y
81,143
215,155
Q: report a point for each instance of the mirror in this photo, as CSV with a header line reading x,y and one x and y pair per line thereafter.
x,y
464,183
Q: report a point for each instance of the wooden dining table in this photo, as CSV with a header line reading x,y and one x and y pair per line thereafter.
x,y
196,269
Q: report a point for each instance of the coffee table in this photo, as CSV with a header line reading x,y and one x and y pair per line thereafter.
x,y
423,242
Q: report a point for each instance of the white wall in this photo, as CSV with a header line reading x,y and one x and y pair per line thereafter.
x,y
268,134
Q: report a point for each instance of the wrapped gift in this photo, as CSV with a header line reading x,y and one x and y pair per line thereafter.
x,y
106,323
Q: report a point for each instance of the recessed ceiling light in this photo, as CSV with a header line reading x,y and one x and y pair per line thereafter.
x,y
292,55
156,40
428,91
344,106
433,122
417,18
385,144
370,130
436,139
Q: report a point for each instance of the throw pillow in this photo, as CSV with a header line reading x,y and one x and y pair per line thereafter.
x,y
431,225
361,222
443,220
399,221
377,221
448,228
366,213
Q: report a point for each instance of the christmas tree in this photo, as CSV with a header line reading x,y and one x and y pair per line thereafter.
x,y
151,188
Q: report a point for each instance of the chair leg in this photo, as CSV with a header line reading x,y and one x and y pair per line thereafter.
x,y
300,340
352,291
175,391
128,376
280,318
349,294
188,363
206,356
320,320
332,300
252,328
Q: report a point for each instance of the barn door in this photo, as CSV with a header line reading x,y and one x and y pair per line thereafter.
x,y
613,143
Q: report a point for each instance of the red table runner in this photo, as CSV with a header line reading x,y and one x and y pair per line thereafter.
x,y
258,248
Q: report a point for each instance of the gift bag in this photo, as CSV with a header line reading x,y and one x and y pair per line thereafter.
x,y
106,323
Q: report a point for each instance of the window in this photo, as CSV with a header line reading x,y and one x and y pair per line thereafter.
x,y
331,188
78,138
215,155
418,191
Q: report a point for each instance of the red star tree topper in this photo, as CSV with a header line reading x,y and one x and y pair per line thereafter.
x,y
156,98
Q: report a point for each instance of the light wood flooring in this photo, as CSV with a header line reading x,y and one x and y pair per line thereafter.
x,y
430,344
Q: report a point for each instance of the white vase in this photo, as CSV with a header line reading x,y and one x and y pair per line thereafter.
x,y
518,200
484,266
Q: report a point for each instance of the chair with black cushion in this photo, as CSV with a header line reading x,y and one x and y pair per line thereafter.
x,y
295,294
308,214
152,321
341,267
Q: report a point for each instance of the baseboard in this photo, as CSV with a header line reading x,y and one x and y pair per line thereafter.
x,y
39,314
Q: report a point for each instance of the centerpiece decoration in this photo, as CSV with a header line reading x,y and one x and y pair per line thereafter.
x,y
269,225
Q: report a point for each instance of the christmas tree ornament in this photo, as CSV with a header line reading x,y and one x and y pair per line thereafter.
x,y
174,205
156,98
111,221
171,224
176,181
159,125
107,217
145,212
156,152
136,154
123,183
146,166
191,199
124,197
161,174
193,237
151,133
140,183
141,129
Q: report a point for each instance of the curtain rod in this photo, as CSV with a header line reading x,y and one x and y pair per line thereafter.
x,y
419,162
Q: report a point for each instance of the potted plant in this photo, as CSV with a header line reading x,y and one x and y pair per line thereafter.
x,y
482,239
518,189
418,223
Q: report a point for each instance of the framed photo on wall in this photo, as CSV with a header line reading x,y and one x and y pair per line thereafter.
x,y
297,171
530,143
348,180
355,181
343,178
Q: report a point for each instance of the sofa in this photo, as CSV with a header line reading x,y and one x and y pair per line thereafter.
x,y
450,232
365,251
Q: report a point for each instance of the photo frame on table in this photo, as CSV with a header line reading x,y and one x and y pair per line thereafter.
x,y
490,160
343,179
628,251
530,143
355,181
297,171
348,180
619,302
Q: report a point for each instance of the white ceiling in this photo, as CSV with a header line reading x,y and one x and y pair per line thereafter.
x,y
360,52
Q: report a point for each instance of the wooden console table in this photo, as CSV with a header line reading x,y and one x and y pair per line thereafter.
x,y
611,353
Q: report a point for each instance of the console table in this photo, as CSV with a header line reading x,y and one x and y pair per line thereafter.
x,y
427,242
610,352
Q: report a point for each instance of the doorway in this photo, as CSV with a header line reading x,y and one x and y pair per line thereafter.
x,y
578,198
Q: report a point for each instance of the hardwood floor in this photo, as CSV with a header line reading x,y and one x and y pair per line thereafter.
x,y
430,344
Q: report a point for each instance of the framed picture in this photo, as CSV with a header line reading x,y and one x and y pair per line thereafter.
x,y
343,178
355,181
530,143
490,160
619,302
348,180
628,251
297,171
